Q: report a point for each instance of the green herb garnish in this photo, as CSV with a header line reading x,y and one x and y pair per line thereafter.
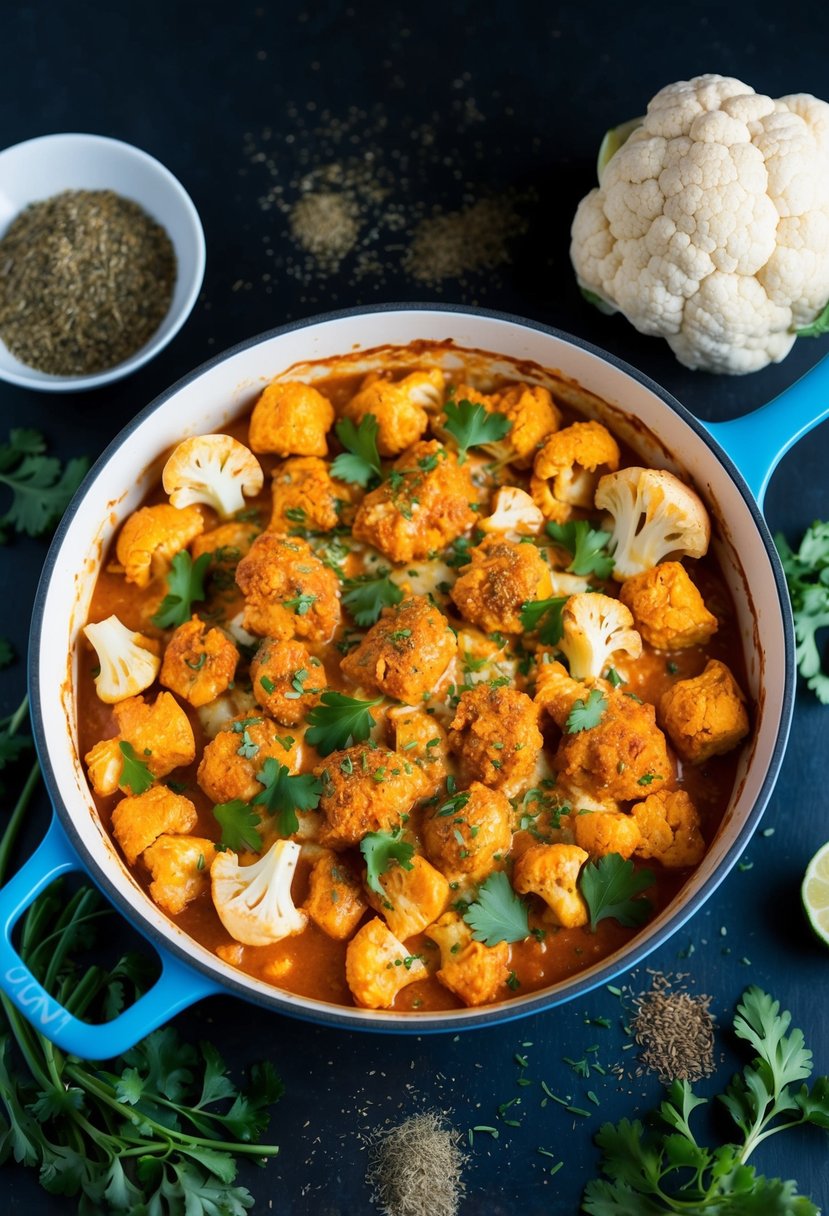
x,y
807,576
284,794
338,721
379,850
366,598
611,887
135,775
41,486
585,714
471,426
587,546
361,461
497,914
544,616
185,583
301,604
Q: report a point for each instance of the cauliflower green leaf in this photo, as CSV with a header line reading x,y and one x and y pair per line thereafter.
x,y
472,425
379,850
586,545
366,598
284,794
611,886
816,328
497,914
185,583
361,461
338,721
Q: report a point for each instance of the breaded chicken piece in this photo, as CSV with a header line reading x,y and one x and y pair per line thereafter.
x,y
138,820
286,680
670,829
406,653
417,736
230,762
160,734
152,536
668,609
378,966
705,716
551,872
305,495
365,789
501,577
401,407
473,971
412,898
180,869
288,591
495,736
466,835
291,419
199,663
336,901
421,507
622,757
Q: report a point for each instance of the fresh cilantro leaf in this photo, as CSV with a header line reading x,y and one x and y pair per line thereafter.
x,y
240,826
135,775
816,328
379,850
472,425
361,462
807,576
41,487
185,583
497,914
283,794
338,721
301,604
585,714
544,616
366,598
610,887
586,545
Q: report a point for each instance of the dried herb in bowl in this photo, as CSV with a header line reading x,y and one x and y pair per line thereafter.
x,y
86,278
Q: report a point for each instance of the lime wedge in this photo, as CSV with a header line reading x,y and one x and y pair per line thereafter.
x,y
613,141
815,893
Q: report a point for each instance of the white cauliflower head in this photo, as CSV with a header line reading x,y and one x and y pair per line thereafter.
x,y
213,469
514,514
594,628
654,515
254,903
127,663
710,227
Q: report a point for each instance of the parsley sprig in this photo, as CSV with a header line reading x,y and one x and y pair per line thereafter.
x,y
365,598
379,850
612,887
544,617
135,774
807,575
471,426
586,545
497,914
360,463
284,794
240,826
338,721
586,713
40,485
185,583
660,1168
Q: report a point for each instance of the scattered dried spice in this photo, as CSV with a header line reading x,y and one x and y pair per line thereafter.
x,y
86,278
675,1032
415,1168
461,242
325,225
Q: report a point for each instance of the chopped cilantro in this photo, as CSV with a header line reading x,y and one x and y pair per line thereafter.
x,y
544,616
361,461
379,850
587,546
472,425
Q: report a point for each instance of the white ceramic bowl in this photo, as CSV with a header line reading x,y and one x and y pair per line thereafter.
x,y
39,168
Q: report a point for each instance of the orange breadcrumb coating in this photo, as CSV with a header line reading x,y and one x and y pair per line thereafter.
x,y
601,832
232,759
336,901
227,545
291,419
288,591
567,469
622,757
422,740
533,414
495,737
305,495
411,899
152,536
276,676
551,871
160,734
140,819
705,716
423,509
670,830
405,653
180,869
668,609
401,407
365,789
199,663
469,841
374,966
473,971
501,577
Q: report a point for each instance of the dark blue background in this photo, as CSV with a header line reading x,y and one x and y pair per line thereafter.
x,y
187,82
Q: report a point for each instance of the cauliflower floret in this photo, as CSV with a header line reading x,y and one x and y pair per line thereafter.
x,y
567,469
705,716
152,536
230,762
286,680
668,609
514,514
305,495
620,757
501,577
254,903
291,419
401,407
288,591
139,820
654,515
495,736
417,736
199,663
556,690
468,834
473,971
127,661
336,901
217,715
551,871
378,966
422,506
532,413
405,653
160,735
601,832
214,469
412,899
595,627
669,828
180,868
365,789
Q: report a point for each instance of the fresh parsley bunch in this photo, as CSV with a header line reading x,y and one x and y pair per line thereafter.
x,y
665,1170
40,485
807,575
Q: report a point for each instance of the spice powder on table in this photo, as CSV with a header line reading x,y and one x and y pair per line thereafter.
x,y
86,278
675,1033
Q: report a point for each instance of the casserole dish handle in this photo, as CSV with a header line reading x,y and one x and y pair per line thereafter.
x,y
177,987
758,441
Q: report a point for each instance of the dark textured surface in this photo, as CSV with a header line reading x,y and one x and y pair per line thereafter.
x,y
188,83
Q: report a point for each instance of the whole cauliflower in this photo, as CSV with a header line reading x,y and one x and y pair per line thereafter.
x,y
710,226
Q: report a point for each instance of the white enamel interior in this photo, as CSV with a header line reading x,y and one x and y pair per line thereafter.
x,y
220,392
